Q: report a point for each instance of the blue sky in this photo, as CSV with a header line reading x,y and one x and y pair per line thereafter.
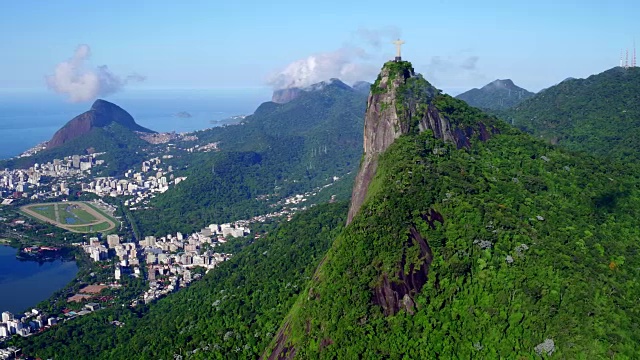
x,y
240,44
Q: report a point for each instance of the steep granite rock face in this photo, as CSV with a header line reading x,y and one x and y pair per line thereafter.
x,y
402,102
101,114
283,96
399,292
398,254
382,126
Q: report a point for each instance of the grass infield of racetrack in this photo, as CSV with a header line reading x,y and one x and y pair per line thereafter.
x,y
73,216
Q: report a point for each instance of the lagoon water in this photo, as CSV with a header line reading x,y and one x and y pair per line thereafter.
x,y
23,284
28,117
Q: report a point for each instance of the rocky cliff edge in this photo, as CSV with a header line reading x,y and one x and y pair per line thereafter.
x,y
402,102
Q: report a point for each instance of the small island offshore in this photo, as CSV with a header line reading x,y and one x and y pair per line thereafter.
x,y
183,115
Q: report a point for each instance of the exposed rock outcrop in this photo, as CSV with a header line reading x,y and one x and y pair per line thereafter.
x,y
283,96
401,102
281,351
101,114
397,294
381,127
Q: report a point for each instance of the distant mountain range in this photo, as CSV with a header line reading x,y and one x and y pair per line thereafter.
x,y
362,86
599,115
497,95
283,96
280,149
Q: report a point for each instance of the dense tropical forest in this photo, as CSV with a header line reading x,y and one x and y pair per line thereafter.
x,y
491,244
510,247
534,244
497,95
599,115
281,150
232,313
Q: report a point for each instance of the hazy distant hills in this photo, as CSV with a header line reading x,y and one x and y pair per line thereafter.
x,y
362,86
567,79
283,96
599,114
497,95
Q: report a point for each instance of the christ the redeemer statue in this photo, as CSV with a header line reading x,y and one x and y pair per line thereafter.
x,y
398,44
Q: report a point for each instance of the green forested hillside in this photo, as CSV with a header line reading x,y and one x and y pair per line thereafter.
x,y
232,313
497,95
511,248
493,244
282,149
599,115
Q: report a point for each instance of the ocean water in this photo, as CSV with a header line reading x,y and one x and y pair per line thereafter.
x,y
23,284
29,117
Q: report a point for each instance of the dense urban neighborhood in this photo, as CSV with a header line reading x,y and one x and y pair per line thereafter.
x,y
165,264
58,178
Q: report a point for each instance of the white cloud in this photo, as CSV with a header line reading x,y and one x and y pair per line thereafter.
x,y
80,82
352,62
